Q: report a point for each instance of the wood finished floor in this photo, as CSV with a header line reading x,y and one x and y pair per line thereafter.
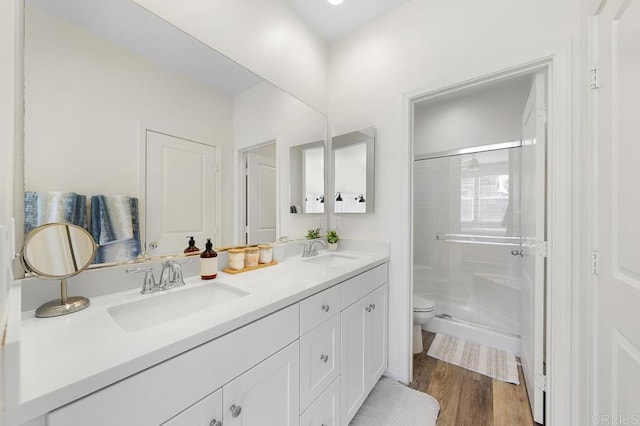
x,y
467,397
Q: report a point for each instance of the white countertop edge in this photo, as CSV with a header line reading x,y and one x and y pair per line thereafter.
x,y
43,403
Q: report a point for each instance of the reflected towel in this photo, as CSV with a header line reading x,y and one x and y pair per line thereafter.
x,y
51,207
115,227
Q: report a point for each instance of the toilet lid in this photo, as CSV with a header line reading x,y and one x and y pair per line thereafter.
x,y
422,304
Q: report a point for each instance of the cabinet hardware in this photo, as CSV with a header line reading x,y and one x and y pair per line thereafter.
x,y
215,422
235,410
325,308
324,357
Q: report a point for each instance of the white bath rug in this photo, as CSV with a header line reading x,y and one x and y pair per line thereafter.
x,y
393,404
495,363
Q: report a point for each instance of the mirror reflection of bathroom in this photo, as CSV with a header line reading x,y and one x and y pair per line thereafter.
x,y
156,123
306,188
259,194
353,171
478,168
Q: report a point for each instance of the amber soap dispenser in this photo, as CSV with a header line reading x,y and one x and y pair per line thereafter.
x,y
192,249
208,262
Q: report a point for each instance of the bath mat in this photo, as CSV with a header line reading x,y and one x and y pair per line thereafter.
x,y
495,363
393,404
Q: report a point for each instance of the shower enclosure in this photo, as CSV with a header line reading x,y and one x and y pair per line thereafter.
x,y
468,245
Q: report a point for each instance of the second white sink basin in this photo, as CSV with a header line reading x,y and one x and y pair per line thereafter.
x,y
162,307
331,259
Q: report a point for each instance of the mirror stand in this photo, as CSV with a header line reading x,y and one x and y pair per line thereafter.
x,y
64,305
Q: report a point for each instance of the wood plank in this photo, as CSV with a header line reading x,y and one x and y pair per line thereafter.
x,y
511,404
475,406
444,385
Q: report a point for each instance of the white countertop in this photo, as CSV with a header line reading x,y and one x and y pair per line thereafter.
x,y
65,358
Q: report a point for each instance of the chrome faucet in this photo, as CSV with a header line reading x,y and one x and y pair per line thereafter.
x,y
310,249
170,277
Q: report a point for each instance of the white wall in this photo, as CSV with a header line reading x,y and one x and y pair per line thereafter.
x,y
421,45
265,36
491,115
85,98
10,136
265,113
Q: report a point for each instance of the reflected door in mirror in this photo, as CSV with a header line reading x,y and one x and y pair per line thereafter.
x,y
306,186
182,193
261,198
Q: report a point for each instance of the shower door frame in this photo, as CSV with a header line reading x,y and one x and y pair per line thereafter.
x,y
555,61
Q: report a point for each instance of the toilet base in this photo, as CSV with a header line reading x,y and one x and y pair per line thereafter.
x,y
417,339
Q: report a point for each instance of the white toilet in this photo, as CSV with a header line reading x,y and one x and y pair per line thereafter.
x,y
423,310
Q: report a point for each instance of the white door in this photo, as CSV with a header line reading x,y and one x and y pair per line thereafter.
x,y
533,229
181,193
268,394
617,137
261,199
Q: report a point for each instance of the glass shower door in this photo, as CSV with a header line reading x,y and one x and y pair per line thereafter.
x,y
467,223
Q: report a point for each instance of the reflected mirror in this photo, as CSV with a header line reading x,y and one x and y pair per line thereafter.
x,y
353,171
59,251
138,123
307,178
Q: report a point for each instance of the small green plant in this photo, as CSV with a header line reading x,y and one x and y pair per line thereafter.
x,y
313,234
332,236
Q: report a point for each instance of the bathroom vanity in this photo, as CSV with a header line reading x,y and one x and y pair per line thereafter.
x,y
302,342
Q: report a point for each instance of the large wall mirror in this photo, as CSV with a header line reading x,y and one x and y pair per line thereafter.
x,y
132,129
353,171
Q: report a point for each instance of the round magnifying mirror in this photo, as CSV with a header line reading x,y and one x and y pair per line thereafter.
x,y
59,251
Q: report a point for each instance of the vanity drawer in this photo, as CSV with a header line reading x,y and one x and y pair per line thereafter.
x,y
357,287
203,413
325,410
318,308
319,360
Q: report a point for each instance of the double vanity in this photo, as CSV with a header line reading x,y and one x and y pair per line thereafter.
x,y
302,342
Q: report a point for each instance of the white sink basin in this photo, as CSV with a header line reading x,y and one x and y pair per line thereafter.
x,y
162,307
331,259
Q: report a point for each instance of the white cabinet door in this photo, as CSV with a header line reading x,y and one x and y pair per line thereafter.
x,y
266,395
325,411
319,360
364,349
353,379
376,336
206,412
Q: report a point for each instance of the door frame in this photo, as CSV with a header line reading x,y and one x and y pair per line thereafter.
x,y
555,61
239,228
143,127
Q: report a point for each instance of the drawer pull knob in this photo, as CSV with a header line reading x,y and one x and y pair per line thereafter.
x,y
235,410
325,308
367,308
324,358
373,306
215,422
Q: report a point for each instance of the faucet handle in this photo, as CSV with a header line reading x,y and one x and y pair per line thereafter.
x,y
149,285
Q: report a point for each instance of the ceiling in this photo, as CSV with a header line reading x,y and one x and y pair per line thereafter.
x,y
332,22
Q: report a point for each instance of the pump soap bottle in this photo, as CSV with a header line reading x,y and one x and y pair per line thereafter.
x,y
208,262
192,249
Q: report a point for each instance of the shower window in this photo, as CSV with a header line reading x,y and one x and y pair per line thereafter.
x,y
484,200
